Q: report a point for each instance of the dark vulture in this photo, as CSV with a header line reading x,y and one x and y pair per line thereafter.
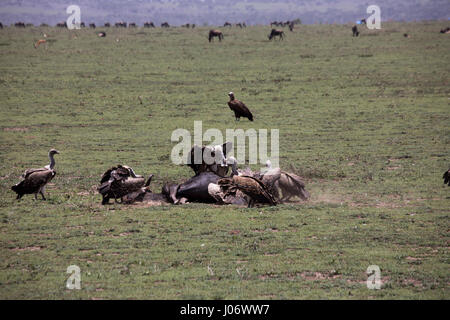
x,y
120,181
34,180
446,177
252,187
239,108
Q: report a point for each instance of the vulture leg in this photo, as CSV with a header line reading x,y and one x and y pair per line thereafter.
x,y
35,196
105,200
42,194
251,203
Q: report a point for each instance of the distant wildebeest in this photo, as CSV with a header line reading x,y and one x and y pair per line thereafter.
x,y
61,25
44,25
275,33
447,30
92,25
274,23
19,25
82,25
363,21
107,25
239,25
227,24
165,25
149,25
193,25
1,25
29,25
215,33
121,24
132,25
355,31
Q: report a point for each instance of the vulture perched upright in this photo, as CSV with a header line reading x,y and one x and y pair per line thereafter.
x,y
252,187
239,108
446,177
34,180
120,181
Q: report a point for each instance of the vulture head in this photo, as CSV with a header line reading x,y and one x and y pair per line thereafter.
x,y
53,151
231,95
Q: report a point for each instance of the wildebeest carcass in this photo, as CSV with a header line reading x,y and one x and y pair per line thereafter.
x,y
215,33
446,30
34,180
276,33
120,181
193,190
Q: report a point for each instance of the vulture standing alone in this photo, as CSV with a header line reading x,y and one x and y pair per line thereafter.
x,y
34,180
120,181
239,108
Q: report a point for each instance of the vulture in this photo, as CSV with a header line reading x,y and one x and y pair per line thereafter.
x,y
120,181
446,177
239,108
289,184
219,153
34,180
252,187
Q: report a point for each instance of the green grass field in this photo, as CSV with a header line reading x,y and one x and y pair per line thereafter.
x,y
364,120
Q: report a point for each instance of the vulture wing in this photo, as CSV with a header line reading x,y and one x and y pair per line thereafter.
x,y
30,171
34,181
241,109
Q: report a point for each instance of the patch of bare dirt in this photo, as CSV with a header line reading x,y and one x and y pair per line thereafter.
x,y
16,129
31,248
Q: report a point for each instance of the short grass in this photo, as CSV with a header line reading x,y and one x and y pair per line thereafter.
x,y
364,120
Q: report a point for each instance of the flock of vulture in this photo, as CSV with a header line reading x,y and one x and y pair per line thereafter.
x,y
212,183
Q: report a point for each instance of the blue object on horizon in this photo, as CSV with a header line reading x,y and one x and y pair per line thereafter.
x,y
358,22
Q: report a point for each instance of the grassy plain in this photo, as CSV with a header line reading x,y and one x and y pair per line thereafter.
x,y
364,120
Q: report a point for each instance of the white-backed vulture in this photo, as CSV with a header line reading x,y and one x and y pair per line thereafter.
x,y
289,184
239,108
34,180
120,181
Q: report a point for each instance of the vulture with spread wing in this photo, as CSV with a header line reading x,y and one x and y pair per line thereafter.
x,y
120,181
